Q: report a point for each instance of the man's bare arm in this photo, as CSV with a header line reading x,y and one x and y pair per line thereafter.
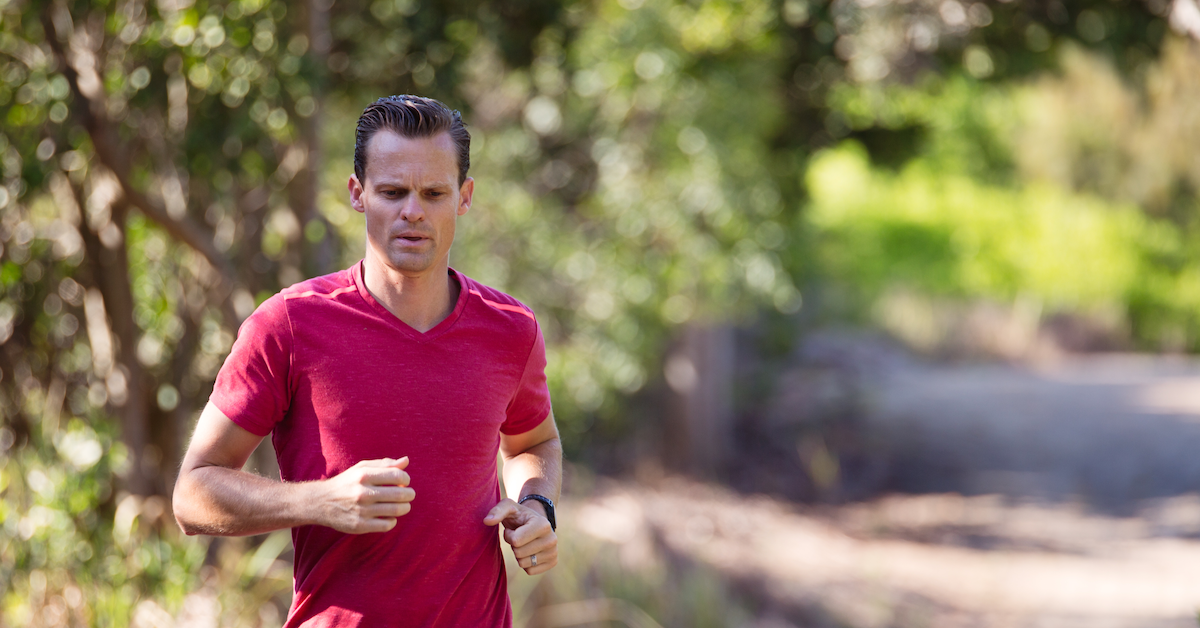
x,y
532,466
214,496
533,462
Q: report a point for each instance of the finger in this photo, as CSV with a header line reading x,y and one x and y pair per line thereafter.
x,y
398,463
389,494
534,527
545,561
542,567
538,546
386,511
368,526
386,476
505,509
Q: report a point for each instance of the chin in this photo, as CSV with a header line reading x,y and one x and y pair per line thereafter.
x,y
408,264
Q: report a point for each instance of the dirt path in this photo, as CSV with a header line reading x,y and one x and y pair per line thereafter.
x,y
933,560
1110,431
1060,496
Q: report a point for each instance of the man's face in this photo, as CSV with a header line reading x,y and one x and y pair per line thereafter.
x,y
411,200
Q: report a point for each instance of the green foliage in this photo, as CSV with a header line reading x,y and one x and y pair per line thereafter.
x,y
1070,189
626,194
961,125
1088,128
65,556
75,550
947,234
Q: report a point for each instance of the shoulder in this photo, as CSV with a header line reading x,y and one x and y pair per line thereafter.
x,y
276,310
496,306
328,286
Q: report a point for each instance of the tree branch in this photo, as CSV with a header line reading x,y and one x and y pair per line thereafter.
x,y
110,153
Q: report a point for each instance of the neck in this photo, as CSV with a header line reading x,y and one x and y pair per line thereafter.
x,y
421,301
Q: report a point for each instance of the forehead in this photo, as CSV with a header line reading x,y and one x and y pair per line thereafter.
x,y
391,155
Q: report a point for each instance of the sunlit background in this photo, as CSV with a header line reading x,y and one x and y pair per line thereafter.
x,y
859,313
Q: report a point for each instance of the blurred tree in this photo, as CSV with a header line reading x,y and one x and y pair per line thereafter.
x,y
632,187
870,45
204,120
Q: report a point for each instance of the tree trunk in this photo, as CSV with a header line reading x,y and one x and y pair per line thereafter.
x,y
700,421
318,254
108,259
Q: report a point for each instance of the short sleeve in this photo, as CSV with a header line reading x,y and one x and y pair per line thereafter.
x,y
530,404
253,388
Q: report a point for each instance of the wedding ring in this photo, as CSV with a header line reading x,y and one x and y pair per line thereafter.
x,y
534,559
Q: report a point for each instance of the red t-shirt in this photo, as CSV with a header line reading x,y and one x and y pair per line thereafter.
x,y
339,379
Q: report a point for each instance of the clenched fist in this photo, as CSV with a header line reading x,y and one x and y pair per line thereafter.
x,y
368,497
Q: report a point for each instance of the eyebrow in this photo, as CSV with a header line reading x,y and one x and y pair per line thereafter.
x,y
405,186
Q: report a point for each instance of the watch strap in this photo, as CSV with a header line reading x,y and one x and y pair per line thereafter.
x,y
545,502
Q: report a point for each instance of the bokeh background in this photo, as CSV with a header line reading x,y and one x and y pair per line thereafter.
x,y
858,312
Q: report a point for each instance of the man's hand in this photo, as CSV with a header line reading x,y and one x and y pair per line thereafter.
x,y
528,532
368,497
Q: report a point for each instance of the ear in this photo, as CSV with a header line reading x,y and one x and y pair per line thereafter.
x,y
356,194
464,196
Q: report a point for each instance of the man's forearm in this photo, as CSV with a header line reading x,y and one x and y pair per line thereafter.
x,y
228,502
537,470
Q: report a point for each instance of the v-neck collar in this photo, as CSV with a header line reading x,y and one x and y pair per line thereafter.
x,y
360,282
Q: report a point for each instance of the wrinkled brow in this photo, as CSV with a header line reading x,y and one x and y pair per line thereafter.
x,y
395,183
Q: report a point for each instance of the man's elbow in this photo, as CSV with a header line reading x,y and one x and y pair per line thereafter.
x,y
188,530
183,507
186,526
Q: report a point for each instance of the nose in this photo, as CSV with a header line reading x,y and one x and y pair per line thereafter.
x,y
412,211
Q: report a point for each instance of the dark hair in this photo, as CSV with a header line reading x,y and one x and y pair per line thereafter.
x,y
411,117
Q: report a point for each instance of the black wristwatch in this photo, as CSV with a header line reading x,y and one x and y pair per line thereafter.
x,y
549,508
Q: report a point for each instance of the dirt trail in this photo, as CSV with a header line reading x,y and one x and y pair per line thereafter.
x,y
1059,496
894,563
1109,430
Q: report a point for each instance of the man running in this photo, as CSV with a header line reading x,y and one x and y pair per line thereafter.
x,y
395,377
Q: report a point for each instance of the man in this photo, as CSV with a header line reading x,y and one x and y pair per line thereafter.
x,y
395,377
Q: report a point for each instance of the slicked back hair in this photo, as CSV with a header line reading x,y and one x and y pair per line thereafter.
x,y
412,117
